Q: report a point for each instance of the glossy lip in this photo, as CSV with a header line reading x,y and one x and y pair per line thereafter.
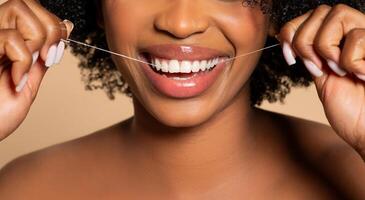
x,y
189,85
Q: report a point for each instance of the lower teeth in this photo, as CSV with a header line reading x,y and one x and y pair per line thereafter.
x,y
180,79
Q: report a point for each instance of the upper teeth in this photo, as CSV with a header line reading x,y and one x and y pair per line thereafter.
x,y
185,66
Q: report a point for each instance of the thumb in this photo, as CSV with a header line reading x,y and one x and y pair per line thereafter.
x,y
69,27
319,83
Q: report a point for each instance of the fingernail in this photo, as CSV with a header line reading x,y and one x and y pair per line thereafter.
x,y
334,66
288,54
70,24
360,76
22,83
51,56
35,57
60,52
312,68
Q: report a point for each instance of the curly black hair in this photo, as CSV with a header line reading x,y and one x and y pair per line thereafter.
x,y
271,80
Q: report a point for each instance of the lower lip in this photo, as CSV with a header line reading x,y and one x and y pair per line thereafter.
x,y
188,86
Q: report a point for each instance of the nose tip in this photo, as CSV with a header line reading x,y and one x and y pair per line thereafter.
x,y
181,21
181,28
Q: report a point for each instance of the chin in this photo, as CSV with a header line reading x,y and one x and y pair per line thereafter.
x,y
183,119
178,113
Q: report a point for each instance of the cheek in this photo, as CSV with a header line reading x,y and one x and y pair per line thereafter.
x,y
118,26
123,34
246,29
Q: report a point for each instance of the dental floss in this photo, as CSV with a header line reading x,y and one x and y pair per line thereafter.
x,y
104,50
141,61
252,52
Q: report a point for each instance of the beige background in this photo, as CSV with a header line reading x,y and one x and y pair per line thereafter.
x,y
63,111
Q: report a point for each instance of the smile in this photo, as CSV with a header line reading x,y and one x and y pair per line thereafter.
x,y
185,66
182,71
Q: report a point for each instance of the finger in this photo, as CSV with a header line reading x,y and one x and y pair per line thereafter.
x,y
67,27
15,49
36,75
338,23
286,37
353,53
27,23
55,30
61,45
28,30
303,41
37,71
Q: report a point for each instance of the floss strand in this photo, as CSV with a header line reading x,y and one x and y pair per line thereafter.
x,y
141,61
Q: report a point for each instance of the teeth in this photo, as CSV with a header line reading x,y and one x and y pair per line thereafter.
x,y
203,65
196,66
185,66
165,66
174,66
210,64
215,61
158,64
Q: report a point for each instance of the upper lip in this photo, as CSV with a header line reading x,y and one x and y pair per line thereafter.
x,y
183,52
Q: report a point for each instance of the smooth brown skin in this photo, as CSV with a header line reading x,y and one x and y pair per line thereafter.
x,y
219,148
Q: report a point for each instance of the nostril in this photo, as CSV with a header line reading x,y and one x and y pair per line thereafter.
x,y
181,20
178,32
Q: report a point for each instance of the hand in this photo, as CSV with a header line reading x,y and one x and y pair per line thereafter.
x,y
331,43
27,32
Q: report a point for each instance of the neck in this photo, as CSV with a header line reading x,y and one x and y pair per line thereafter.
x,y
206,154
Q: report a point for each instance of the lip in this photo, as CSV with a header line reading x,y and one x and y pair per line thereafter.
x,y
186,85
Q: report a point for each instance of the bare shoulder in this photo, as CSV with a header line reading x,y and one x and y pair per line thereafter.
x,y
319,141
316,139
59,168
330,156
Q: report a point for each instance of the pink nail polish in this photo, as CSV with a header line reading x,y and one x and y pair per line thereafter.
x,y
22,83
60,52
360,76
288,54
334,66
51,56
313,68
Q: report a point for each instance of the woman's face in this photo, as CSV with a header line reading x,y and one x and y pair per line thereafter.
x,y
183,36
